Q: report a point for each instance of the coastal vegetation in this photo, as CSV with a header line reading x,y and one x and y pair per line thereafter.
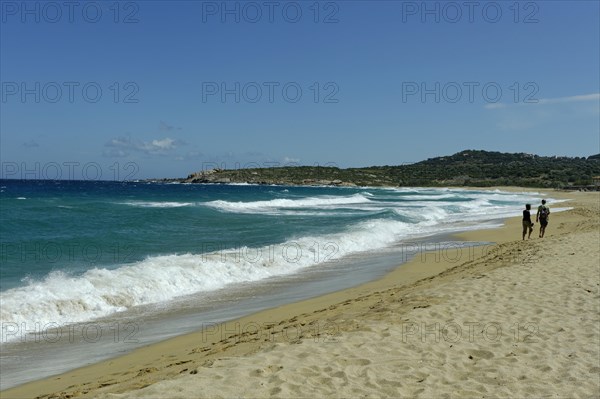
x,y
466,168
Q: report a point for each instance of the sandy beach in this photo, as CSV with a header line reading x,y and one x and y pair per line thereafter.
x,y
514,319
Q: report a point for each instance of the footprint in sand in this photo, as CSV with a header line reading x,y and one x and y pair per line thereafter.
x,y
147,370
481,354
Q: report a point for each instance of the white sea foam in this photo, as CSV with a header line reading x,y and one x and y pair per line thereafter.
x,y
156,204
276,204
61,299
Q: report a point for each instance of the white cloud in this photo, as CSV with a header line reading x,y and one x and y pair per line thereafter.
x,y
119,142
544,101
494,106
288,160
123,146
164,144
571,99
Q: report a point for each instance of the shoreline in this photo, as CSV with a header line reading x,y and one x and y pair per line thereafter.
x,y
123,333
254,333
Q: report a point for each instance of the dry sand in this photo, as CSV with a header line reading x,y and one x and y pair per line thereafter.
x,y
518,319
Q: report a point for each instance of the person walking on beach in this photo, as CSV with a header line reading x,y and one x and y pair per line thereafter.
x,y
527,224
543,214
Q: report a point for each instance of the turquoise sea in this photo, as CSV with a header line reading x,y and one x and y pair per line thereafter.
x,y
75,253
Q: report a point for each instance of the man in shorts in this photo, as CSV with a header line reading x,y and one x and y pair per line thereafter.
x,y
527,224
543,214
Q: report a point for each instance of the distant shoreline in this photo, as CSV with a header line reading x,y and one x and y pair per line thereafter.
x,y
324,183
350,184
466,168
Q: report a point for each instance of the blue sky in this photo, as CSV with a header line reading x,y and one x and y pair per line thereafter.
x,y
160,89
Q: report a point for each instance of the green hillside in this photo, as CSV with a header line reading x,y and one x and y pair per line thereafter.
x,y
466,168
